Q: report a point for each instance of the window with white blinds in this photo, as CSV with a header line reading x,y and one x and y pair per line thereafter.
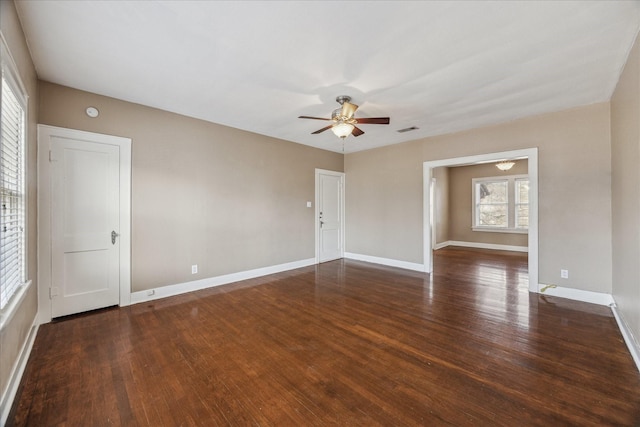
x,y
12,210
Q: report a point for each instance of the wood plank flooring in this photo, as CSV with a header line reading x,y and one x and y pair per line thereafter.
x,y
345,343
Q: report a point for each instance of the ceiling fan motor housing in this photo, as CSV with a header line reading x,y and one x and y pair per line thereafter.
x,y
336,115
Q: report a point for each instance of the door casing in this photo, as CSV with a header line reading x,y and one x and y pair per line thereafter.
x,y
340,175
45,133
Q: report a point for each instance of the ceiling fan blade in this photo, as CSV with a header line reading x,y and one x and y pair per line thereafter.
x,y
373,120
321,130
314,118
348,110
356,131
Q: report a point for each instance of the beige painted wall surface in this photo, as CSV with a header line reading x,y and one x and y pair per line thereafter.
x,y
224,199
461,204
14,334
384,192
625,153
384,203
442,212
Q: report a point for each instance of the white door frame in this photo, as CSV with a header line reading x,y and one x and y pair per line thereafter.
x,y
341,175
44,211
532,155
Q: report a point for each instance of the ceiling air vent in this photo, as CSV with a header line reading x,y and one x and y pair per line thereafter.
x,y
408,129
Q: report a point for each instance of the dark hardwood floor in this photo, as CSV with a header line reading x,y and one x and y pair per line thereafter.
x,y
344,343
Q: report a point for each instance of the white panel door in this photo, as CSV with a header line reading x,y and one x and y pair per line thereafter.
x,y
330,216
84,225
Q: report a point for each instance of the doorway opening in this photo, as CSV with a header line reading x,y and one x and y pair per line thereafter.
x,y
428,227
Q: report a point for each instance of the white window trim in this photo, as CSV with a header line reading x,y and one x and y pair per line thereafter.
x,y
517,203
9,70
511,228
489,229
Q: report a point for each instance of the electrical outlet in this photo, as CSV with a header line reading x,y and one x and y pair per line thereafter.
x,y
194,269
308,204
564,274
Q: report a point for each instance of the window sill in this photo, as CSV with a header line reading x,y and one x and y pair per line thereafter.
x,y
7,313
502,230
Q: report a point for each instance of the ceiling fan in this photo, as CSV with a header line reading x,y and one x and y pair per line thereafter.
x,y
344,124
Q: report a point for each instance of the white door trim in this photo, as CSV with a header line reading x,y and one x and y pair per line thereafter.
x,y
45,132
532,155
341,175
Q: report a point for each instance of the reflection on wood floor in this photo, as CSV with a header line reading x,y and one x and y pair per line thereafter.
x,y
343,343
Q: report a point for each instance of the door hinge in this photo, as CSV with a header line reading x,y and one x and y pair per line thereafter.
x,y
53,292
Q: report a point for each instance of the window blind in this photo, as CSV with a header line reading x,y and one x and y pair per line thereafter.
x,y
12,209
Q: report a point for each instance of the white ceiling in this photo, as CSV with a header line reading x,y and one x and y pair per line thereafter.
x,y
441,66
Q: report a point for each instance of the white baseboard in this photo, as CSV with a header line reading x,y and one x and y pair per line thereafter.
x,y
600,299
10,391
440,245
196,285
576,294
482,246
386,261
629,339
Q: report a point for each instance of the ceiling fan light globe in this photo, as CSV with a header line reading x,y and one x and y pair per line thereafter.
x,y
342,130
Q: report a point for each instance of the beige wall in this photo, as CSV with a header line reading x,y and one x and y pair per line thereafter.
x,y
384,202
625,161
14,334
461,204
384,192
224,199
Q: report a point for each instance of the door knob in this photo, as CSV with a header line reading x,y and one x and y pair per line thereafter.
x,y
113,237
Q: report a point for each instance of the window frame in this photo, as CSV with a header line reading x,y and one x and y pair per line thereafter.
x,y
517,203
9,73
511,204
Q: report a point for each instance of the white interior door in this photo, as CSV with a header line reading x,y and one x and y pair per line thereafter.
x,y
330,215
85,209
